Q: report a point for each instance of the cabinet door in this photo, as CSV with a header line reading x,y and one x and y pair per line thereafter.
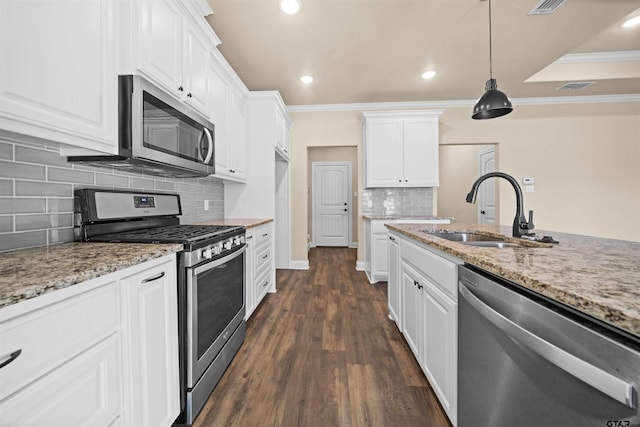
x,y
195,67
411,308
393,285
58,79
439,338
238,147
420,158
380,256
150,335
219,108
160,43
383,146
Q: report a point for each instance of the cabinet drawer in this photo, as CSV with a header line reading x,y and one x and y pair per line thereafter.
x,y
262,257
439,270
54,334
262,235
83,392
263,284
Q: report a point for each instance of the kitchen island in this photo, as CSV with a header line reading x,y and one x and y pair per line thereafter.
x,y
595,276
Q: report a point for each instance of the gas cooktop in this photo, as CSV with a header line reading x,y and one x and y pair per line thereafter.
x,y
172,234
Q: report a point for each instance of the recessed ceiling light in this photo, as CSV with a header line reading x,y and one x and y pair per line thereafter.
x,y
290,7
428,75
306,79
631,22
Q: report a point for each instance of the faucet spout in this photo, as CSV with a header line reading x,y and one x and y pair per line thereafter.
x,y
520,225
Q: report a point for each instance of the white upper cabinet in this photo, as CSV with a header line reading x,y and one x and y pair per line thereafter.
x,y
401,148
173,51
237,149
58,79
282,133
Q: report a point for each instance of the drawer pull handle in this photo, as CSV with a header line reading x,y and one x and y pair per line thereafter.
x,y
10,358
152,278
266,256
265,234
249,238
265,283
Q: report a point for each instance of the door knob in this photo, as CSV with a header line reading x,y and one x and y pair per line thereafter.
x,y
482,212
345,209
345,203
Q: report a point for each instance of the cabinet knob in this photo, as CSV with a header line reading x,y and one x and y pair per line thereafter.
x,y
406,180
482,212
399,180
189,95
181,89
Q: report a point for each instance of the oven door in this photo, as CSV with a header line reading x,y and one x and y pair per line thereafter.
x,y
215,308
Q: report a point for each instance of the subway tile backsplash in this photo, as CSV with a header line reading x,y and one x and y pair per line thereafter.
x,y
37,185
398,201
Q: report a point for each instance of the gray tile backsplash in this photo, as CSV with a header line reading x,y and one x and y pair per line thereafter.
x,y
37,185
398,201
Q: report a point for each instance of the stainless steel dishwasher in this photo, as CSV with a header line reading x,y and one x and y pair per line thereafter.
x,y
527,361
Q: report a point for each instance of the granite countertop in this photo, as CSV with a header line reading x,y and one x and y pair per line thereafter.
x,y
376,217
245,222
599,277
28,273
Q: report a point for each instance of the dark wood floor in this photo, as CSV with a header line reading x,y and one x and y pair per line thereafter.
x,y
323,352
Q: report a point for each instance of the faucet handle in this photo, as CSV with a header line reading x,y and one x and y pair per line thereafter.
x,y
530,225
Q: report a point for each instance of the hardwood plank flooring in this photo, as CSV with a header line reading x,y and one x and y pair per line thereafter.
x,y
323,352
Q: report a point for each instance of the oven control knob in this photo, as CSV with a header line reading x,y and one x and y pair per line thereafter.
x,y
228,244
217,249
236,241
206,253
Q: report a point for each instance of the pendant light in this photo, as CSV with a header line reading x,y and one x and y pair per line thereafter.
x,y
493,103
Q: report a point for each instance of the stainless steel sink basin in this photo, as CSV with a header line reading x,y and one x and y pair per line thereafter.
x,y
466,237
474,239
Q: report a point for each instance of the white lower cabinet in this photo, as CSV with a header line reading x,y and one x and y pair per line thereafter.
x,y
100,353
150,344
260,268
376,245
393,281
428,314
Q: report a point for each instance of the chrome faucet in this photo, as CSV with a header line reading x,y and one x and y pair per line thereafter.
x,y
521,227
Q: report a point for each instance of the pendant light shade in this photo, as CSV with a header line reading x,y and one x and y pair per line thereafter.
x,y
493,103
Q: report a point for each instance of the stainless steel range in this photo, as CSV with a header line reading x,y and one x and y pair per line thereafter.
x,y
211,278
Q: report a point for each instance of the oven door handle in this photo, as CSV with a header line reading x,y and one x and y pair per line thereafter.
x,y
218,262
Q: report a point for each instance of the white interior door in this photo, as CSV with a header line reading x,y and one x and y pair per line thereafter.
x,y
331,191
487,190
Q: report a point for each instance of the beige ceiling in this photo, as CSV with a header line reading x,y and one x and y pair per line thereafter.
x,y
375,50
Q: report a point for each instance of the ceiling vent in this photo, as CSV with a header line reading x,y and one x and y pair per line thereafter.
x,y
575,85
545,7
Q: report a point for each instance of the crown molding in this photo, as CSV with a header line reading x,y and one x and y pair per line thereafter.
x,y
317,108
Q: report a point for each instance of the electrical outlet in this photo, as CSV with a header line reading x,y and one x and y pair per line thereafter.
x,y
206,205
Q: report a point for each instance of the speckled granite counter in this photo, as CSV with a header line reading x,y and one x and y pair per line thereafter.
x,y
29,273
599,277
245,222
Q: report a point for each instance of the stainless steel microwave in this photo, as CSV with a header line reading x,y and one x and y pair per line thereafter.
x,y
157,134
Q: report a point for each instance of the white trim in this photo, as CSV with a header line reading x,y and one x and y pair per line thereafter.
x,y
299,265
313,108
353,245
360,265
581,58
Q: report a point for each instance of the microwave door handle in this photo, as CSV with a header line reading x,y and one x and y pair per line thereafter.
x,y
206,133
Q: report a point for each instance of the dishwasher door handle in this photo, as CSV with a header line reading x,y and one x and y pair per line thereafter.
x,y
602,381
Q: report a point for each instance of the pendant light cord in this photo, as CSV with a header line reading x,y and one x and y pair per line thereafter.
x,y
490,47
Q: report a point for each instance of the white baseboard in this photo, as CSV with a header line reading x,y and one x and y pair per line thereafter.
x,y
360,265
299,265
353,245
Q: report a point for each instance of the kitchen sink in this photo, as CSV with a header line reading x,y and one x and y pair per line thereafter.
x,y
465,237
474,239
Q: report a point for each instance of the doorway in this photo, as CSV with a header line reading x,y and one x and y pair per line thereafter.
x,y
331,198
486,198
459,168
